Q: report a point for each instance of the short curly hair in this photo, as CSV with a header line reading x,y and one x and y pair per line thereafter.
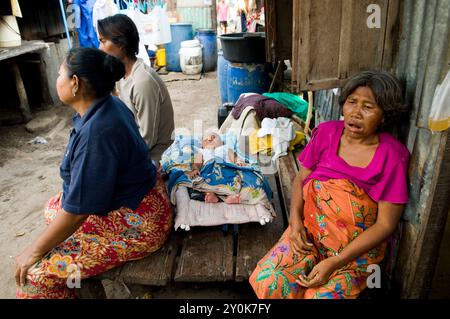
x,y
387,91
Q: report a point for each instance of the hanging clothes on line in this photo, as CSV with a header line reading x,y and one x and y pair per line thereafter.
x,y
103,9
87,36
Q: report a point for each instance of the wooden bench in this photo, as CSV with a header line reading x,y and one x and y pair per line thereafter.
x,y
202,255
214,254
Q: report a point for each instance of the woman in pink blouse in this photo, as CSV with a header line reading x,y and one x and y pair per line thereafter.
x,y
347,198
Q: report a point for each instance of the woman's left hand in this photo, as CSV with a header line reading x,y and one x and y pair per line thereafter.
x,y
320,274
24,262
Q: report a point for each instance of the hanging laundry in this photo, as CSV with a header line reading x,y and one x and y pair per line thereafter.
x,y
103,9
87,36
295,103
264,106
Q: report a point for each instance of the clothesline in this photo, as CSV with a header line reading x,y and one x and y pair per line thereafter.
x,y
143,5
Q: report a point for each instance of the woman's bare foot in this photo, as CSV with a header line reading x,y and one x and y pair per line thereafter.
x,y
233,199
211,198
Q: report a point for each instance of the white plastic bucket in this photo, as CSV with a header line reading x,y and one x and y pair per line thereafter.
x,y
191,57
9,32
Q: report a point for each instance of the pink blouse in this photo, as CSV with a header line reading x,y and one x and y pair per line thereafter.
x,y
385,178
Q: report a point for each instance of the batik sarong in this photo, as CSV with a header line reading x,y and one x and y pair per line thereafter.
x,y
101,243
335,213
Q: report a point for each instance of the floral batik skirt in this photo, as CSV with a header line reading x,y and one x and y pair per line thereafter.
x,y
335,212
101,243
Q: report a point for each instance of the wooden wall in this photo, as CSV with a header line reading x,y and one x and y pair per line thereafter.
x,y
41,20
331,41
278,30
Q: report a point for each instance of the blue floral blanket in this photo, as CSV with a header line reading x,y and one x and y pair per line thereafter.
x,y
216,176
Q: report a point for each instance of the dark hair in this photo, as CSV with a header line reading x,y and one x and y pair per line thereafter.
x,y
97,70
386,90
122,31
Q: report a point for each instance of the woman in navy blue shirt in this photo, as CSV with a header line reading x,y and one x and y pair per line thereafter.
x,y
113,206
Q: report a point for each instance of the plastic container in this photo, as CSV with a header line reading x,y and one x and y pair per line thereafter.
x,y
180,32
244,47
208,39
161,57
222,69
9,32
246,78
191,57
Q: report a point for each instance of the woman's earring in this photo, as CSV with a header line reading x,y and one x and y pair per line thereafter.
x,y
74,91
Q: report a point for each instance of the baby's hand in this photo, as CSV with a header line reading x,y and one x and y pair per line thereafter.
x,y
192,174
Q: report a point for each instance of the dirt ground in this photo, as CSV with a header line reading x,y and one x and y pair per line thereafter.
x,y
29,175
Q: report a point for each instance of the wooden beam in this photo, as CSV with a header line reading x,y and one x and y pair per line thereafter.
x,y
23,106
207,256
156,269
425,237
254,240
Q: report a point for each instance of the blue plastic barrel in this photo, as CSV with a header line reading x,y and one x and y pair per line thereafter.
x,y
246,78
180,32
208,39
222,70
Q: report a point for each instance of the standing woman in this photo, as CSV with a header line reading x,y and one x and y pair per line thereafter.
x,y
141,89
113,206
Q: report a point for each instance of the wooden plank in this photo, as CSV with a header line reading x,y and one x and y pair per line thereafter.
x,y
23,106
49,68
287,170
206,256
284,23
423,231
270,27
254,240
91,289
327,35
156,269
392,33
319,41
25,47
295,41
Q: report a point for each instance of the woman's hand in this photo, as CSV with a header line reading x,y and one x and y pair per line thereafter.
x,y
320,274
299,240
23,262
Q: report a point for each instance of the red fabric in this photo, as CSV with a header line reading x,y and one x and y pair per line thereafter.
x,y
101,243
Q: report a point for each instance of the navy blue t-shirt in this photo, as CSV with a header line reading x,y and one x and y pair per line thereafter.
x,y
106,164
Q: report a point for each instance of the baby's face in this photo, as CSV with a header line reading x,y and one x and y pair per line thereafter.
x,y
212,141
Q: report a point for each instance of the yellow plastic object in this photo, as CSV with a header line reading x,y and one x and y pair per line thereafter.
x,y
299,138
260,144
161,57
264,144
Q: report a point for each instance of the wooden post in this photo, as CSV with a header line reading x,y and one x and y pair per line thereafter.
x,y
24,106
214,14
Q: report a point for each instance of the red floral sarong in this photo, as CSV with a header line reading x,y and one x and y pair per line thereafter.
x,y
101,243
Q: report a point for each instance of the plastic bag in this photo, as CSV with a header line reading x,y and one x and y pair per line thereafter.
x,y
439,119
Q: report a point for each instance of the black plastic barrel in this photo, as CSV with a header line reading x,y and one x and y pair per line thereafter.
x,y
246,47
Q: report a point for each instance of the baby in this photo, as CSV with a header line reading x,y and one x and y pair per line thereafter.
x,y
214,148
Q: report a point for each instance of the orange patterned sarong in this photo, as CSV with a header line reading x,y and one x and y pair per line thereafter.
x,y
101,243
335,212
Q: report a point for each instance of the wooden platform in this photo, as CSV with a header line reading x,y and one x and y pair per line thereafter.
x,y
204,254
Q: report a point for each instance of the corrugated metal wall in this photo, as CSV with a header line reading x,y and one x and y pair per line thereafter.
x,y
200,17
422,62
